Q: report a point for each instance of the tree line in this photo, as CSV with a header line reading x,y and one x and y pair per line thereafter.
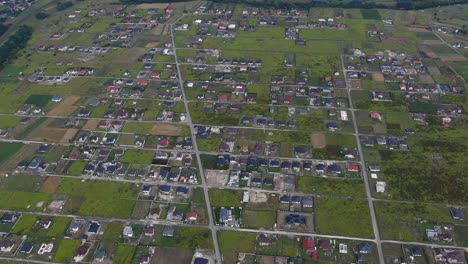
x,y
14,44
284,4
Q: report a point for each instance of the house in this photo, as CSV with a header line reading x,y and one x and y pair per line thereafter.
x,y
308,244
307,203
7,245
375,115
417,251
263,240
148,230
146,190
144,259
94,227
8,218
56,99
26,248
191,216
353,168
44,224
81,252
456,213
364,248
127,231
168,231
380,186
99,256
154,213
324,244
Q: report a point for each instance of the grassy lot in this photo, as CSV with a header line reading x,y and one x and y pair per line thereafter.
x,y
102,198
345,217
398,220
26,183
24,224
38,100
232,242
346,141
259,219
59,226
77,167
370,14
8,149
124,254
137,127
113,232
9,121
208,144
461,235
139,156
225,197
341,187
188,237
66,250
17,200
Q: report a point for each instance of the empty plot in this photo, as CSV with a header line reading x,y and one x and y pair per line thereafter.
x,y
166,130
51,184
69,135
318,140
65,107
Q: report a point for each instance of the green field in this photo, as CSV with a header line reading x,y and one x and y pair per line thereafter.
x,y
24,224
188,237
341,187
18,200
101,198
231,243
398,220
341,216
9,121
8,149
38,100
220,198
259,219
58,227
77,167
370,14
124,254
66,250
138,156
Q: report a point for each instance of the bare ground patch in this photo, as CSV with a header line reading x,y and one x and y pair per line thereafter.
x,y
130,55
318,140
48,134
166,130
51,184
258,197
69,135
216,178
172,255
91,124
378,76
393,40
452,57
426,78
418,29
66,107
152,45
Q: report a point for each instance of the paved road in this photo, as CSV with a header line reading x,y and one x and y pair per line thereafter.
x,y
375,226
197,154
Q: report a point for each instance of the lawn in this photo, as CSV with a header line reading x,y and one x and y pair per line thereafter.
x,y
66,250
461,235
8,149
346,217
398,220
259,219
59,226
124,254
208,144
340,187
220,197
24,224
100,198
138,156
